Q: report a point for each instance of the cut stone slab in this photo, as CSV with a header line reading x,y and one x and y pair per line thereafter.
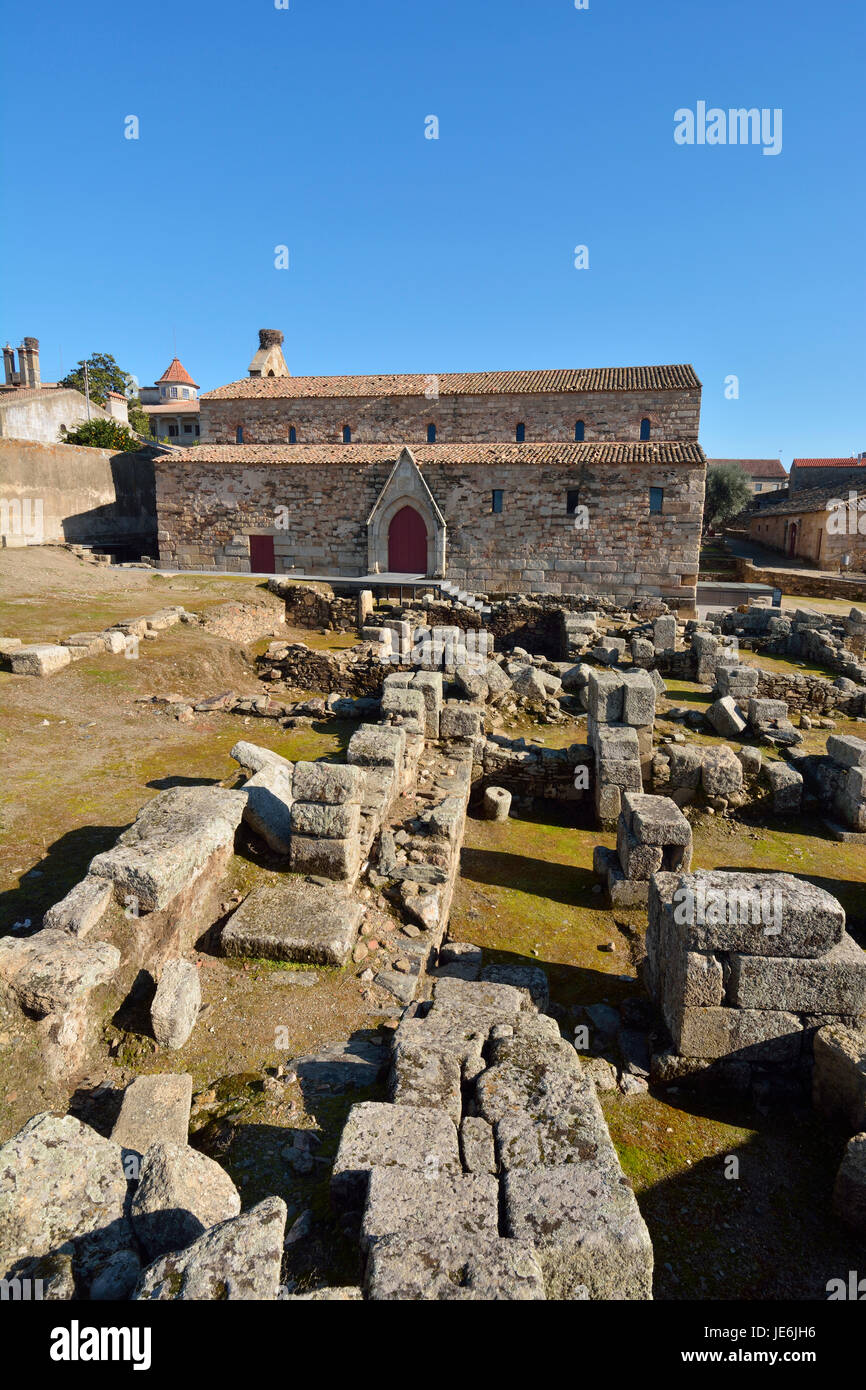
x,y
82,909
51,970
268,810
332,783
238,1259
834,983
339,860
755,1035
476,1145
40,659
402,1269
586,1228
377,745
154,1109
180,1194
839,1075
848,752
726,718
460,1206
294,921
456,1032
721,772
803,920
327,822
170,842
62,1189
350,1066
528,977
379,1135
849,1191
485,998
176,1003
422,1076
786,786
254,759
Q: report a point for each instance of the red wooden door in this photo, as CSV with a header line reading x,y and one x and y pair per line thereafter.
x,y
407,543
262,555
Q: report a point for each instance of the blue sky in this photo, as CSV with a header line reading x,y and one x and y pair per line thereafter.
x,y
305,127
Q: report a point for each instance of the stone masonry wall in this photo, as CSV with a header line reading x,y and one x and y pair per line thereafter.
x,y
404,419
207,512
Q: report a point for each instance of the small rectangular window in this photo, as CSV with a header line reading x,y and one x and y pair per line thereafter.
x,y
572,500
496,500
657,497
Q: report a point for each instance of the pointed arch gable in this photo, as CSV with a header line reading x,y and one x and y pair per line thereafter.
x,y
405,486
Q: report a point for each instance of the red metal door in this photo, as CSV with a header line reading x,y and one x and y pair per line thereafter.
x,y
262,555
407,543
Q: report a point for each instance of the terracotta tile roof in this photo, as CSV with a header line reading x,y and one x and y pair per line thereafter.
x,y
756,468
812,499
173,408
175,371
829,463
361,455
665,378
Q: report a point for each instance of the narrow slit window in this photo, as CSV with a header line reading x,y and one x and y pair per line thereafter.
x,y
657,498
644,429
239,435
520,433
293,435
579,432
347,435
431,434
572,500
496,500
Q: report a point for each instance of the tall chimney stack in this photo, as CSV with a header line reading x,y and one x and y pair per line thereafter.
x,y
28,359
9,364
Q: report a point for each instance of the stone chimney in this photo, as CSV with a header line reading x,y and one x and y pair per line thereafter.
x,y
9,365
28,362
269,360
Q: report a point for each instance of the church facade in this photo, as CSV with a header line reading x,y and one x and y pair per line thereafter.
x,y
558,482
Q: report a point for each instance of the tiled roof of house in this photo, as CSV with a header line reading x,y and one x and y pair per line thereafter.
x,y
829,463
665,378
756,468
173,408
360,455
812,499
176,371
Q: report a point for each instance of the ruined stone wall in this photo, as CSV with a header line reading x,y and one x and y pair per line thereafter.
x,y
404,419
207,513
807,585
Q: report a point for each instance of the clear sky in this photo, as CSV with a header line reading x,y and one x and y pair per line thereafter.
x,y
305,127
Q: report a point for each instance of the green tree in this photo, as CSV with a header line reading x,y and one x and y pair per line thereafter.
x,y
103,374
139,420
101,434
729,491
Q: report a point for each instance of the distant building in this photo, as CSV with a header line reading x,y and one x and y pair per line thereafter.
x,y
172,405
560,481
824,526
765,475
31,408
812,473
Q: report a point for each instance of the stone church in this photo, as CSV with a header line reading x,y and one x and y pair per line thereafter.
x,y
566,481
